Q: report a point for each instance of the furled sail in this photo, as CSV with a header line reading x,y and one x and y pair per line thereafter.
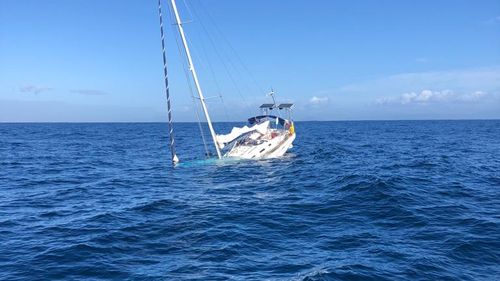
x,y
236,132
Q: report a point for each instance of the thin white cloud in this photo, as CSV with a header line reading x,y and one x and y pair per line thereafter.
x,y
318,100
452,86
422,60
34,89
466,80
88,92
426,96
493,20
475,96
429,96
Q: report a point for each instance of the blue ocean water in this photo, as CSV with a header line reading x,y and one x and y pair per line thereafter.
x,y
399,200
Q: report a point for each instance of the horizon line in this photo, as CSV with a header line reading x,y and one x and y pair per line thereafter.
x,y
180,122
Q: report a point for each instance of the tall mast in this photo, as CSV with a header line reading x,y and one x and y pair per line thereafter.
x,y
195,76
175,159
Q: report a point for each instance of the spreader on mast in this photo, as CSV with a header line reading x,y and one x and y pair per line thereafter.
x,y
195,76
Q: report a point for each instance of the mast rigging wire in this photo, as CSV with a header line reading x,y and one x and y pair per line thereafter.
x,y
226,67
211,71
232,48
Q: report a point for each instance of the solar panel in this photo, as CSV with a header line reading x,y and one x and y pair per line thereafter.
x,y
285,105
267,105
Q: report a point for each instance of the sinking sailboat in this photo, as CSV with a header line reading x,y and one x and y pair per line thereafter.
x,y
267,135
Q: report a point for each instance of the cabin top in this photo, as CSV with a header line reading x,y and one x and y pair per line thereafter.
x,y
261,118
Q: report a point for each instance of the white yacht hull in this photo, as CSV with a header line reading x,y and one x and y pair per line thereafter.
x,y
272,148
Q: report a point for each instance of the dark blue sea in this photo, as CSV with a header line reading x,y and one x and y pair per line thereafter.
x,y
395,200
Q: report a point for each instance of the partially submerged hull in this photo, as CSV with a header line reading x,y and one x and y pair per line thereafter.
x,y
276,144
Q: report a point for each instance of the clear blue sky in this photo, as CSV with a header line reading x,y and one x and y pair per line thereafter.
x,y
94,60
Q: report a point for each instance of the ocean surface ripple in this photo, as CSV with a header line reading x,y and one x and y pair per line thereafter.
x,y
398,200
